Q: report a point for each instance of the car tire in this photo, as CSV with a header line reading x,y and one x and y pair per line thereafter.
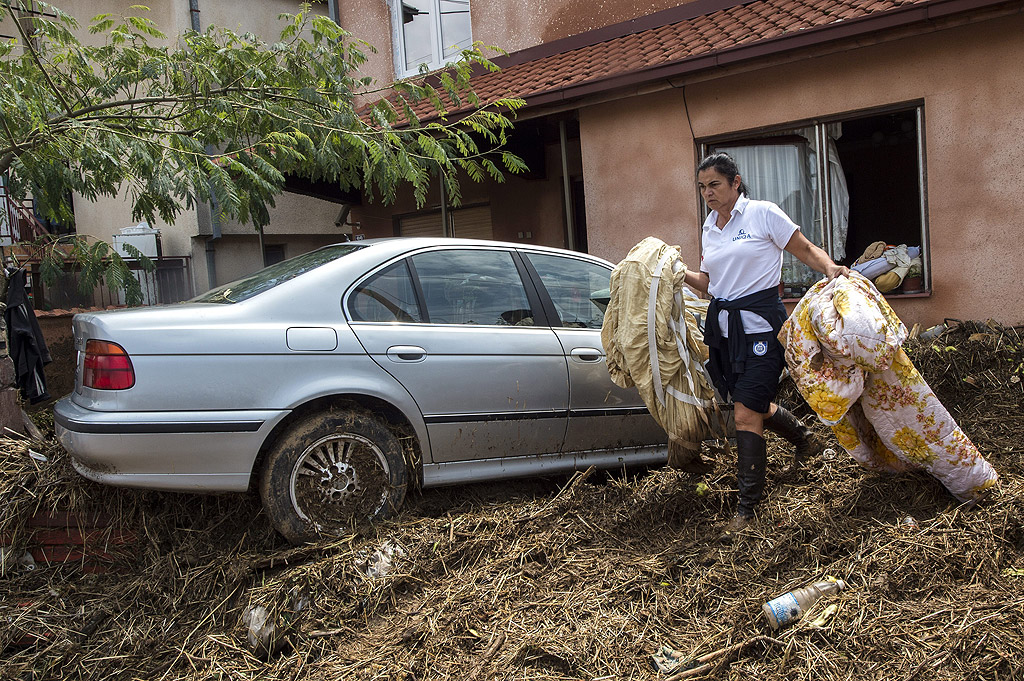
x,y
330,471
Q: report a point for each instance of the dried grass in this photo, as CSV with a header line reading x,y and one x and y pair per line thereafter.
x,y
579,578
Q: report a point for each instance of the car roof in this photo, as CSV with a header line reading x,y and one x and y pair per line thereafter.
x,y
371,253
403,244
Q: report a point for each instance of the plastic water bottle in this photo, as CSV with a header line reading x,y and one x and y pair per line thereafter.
x,y
789,607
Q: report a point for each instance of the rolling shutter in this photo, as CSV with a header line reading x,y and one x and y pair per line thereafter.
x,y
467,223
473,223
428,224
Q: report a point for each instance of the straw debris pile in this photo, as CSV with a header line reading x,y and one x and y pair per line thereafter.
x,y
578,578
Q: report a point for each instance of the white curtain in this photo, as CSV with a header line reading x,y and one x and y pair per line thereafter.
x,y
784,172
783,168
839,196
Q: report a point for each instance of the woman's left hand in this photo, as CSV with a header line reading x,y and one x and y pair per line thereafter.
x,y
814,257
834,271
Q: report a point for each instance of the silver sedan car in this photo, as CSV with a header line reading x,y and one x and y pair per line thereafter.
x,y
334,380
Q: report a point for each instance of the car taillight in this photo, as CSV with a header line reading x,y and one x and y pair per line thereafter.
x,y
107,366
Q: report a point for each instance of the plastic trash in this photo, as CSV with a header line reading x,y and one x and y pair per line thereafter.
x,y
380,562
668,660
266,631
791,606
261,629
932,332
12,560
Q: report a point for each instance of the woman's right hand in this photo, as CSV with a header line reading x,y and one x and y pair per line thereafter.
x,y
697,280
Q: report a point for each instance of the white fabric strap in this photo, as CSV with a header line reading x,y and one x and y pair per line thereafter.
x,y
652,343
688,399
679,331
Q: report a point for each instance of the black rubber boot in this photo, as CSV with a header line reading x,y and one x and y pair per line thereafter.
x,y
788,426
751,465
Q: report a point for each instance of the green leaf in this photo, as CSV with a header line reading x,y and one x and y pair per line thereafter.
x,y
131,116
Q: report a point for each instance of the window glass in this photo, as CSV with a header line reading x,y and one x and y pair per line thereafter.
x,y
430,32
387,296
472,287
849,184
880,160
273,254
578,288
456,34
421,224
417,38
272,276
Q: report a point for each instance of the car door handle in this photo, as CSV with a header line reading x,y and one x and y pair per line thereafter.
x,y
586,354
406,353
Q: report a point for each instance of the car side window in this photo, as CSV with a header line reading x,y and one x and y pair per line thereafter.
x,y
387,296
579,289
472,286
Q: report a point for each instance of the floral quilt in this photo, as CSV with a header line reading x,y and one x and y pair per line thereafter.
x,y
844,351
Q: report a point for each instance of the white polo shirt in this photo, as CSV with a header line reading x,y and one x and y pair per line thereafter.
x,y
746,255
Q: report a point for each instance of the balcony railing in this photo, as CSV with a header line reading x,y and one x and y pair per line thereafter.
x,y
17,219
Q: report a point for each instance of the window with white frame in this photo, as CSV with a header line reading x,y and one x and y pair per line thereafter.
x,y
848,182
429,32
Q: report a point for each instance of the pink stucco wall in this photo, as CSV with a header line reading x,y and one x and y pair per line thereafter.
x,y
638,160
370,21
518,24
511,26
639,156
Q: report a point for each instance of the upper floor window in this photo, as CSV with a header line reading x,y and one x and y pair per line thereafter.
x,y
849,183
431,32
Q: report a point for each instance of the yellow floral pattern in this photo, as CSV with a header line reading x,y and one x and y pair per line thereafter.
x,y
843,349
846,434
869,450
828,405
913,446
905,370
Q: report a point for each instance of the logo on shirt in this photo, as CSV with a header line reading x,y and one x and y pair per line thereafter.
x,y
742,234
760,348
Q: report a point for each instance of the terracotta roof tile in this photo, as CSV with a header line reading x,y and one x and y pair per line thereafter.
x,y
735,27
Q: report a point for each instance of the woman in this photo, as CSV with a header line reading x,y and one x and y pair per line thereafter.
x,y
741,267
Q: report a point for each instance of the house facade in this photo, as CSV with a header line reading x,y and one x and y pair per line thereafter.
x,y
866,120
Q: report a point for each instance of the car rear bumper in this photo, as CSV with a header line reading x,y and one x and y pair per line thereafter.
x,y
210,451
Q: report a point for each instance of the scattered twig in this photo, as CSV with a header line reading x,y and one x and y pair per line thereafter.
x,y
496,643
703,663
577,478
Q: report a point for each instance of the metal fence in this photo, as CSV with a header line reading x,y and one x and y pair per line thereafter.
x,y
170,281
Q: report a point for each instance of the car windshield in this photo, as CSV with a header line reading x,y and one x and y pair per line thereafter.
x,y
269,277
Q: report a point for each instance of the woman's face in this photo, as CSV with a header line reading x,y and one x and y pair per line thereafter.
x,y
717,191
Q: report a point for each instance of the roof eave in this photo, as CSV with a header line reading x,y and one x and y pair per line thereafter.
x,y
778,45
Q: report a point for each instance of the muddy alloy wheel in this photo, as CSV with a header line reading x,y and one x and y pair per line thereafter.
x,y
330,471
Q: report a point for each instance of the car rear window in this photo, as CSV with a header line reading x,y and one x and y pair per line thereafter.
x,y
276,274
